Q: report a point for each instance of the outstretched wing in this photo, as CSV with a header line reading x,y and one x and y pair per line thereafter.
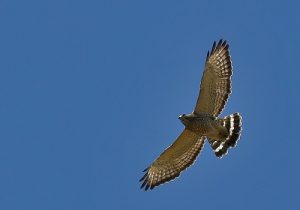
x,y
180,155
216,80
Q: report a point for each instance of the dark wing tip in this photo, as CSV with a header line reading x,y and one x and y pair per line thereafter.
x,y
146,169
145,175
225,44
221,44
213,48
226,47
145,180
144,183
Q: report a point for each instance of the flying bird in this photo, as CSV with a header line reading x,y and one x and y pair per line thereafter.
x,y
203,123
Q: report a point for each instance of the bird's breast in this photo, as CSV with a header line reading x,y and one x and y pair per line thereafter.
x,y
201,125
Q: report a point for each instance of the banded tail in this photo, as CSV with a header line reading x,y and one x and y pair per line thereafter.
x,y
233,124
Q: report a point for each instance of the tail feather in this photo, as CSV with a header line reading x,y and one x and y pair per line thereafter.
x,y
233,124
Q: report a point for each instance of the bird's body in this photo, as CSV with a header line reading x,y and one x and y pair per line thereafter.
x,y
215,129
204,122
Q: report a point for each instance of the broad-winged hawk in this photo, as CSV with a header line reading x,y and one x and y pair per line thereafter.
x,y
202,123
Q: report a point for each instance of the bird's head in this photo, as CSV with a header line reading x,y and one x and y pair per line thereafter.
x,y
187,118
181,116
183,119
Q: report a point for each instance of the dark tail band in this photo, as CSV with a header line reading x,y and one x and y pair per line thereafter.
x,y
233,124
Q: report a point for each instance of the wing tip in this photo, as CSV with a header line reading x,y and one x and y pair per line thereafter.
x,y
213,48
155,176
146,184
222,43
207,55
146,169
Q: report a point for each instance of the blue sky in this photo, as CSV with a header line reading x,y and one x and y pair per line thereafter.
x,y
91,91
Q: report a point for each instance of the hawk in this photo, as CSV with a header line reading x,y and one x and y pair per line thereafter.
x,y
203,123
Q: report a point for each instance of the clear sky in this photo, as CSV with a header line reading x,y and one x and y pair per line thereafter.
x,y
90,92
